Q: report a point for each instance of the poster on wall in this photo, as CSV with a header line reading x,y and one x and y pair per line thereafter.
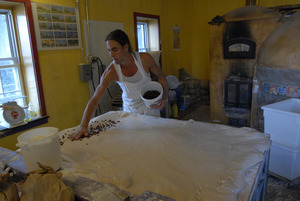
x,y
56,27
176,37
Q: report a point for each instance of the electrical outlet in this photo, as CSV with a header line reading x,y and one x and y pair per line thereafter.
x,y
85,72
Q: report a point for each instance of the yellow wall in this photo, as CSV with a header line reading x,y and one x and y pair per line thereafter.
x,y
66,96
202,13
175,14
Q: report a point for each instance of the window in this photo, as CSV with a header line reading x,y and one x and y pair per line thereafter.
x,y
147,36
10,76
20,77
142,35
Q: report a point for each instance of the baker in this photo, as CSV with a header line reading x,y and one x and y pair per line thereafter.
x,y
130,70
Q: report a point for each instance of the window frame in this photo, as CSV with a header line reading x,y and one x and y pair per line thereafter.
x,y
14,57
137,15
34,53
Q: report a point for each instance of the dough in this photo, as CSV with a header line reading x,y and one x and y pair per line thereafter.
x,y
183,160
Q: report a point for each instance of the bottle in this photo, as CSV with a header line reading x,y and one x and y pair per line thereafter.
x,y
33,112
27,114
169,110
175,110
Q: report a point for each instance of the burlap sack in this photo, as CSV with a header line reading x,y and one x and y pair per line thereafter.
x,y
8,189
45,185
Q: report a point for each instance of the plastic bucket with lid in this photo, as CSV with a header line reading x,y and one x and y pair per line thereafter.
x,y
149,87
40,145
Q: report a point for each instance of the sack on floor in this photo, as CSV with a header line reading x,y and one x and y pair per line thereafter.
x,y
8,189
45,185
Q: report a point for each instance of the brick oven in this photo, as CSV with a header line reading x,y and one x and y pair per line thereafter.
x,y
235,39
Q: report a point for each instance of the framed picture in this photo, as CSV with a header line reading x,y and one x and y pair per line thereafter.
x,y
56,27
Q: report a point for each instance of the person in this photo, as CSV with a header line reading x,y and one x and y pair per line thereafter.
x,y
130,70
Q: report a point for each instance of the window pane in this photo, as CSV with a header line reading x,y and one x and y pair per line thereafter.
x,y
140,32
142,36
5,50
7,62
10,82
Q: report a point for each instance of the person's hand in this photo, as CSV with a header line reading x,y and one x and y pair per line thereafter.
x,y
160,104
78,133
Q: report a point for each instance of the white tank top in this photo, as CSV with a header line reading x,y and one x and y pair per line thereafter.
x,y
132,101
135,78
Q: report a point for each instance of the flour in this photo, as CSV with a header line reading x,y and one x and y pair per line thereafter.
x,y
183,160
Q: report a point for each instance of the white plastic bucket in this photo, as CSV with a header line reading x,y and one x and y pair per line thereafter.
x,y
151,86
40,145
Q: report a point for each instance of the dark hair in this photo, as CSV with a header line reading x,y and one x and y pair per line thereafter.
x,y
121,37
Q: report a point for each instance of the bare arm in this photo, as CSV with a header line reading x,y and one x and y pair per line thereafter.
x,y
109,75
150,65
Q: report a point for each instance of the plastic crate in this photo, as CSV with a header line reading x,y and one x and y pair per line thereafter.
x,y
282,121
284,161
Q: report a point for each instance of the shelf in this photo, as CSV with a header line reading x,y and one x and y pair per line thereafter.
x,y
30,124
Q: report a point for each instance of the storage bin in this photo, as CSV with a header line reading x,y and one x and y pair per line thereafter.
x,y
40,145
284,160
282,121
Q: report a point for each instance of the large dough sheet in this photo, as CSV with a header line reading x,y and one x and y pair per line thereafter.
x,y
183,160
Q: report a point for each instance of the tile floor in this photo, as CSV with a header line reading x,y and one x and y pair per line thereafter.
x,y
277,189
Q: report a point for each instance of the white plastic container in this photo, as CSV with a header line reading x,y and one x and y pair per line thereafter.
x,y
172,82
151,86
40,145
282,121
284,161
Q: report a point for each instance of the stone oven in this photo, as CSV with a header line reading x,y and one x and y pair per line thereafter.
x,y
254,61
235,40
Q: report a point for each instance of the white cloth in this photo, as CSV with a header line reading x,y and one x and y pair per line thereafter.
x,y
183,160
132,101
